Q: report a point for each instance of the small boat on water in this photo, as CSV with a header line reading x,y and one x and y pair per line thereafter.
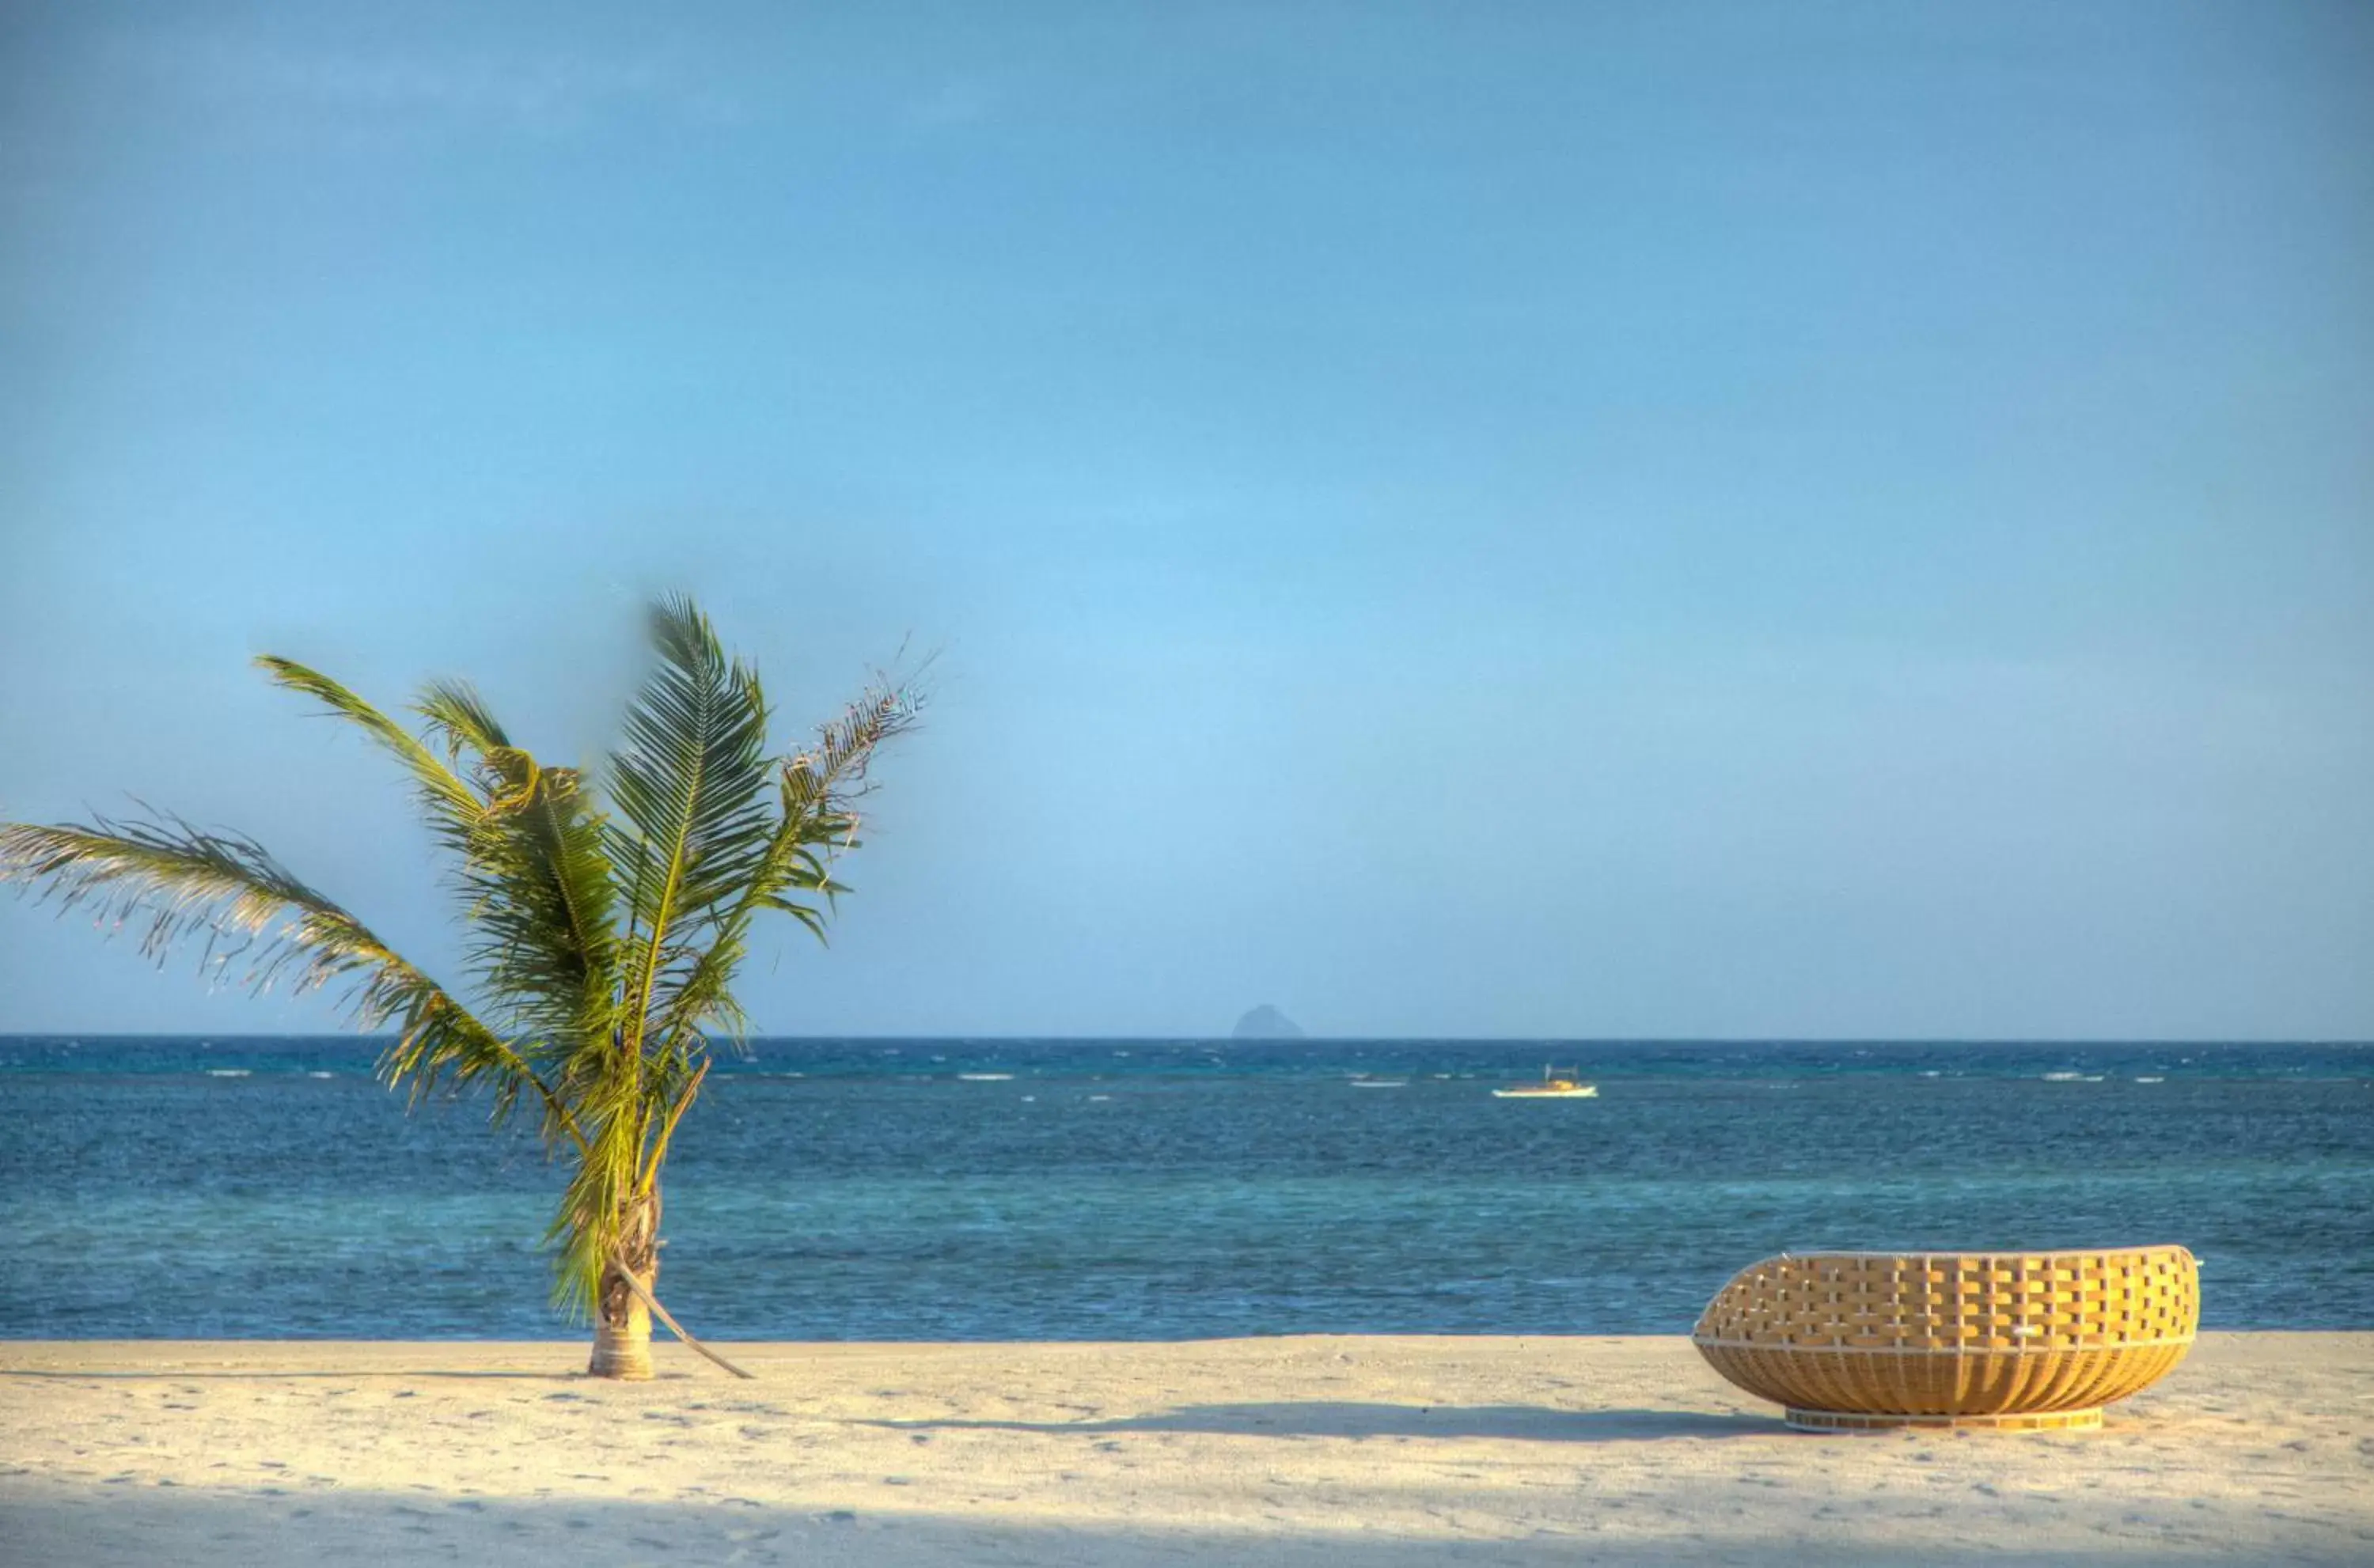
x,y
1553,1086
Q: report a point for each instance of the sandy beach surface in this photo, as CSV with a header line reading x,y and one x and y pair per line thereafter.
x,y
1396,1451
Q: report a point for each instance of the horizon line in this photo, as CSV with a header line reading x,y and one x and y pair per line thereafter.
x,y
105,1035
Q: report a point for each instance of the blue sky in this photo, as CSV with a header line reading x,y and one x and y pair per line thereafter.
x,y
1654,520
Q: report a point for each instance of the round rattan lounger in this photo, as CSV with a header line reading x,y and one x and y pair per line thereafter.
x,y
2027,1341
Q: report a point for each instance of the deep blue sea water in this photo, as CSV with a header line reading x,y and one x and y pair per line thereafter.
x,y
1163,1189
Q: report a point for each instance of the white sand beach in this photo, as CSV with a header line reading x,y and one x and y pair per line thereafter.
x,y
1326,1450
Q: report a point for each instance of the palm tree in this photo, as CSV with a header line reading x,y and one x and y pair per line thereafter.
x,y
601,943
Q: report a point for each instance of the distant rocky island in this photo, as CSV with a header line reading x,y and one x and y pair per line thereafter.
x,y
1267,1023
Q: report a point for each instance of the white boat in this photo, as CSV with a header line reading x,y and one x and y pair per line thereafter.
x,y
1553,1086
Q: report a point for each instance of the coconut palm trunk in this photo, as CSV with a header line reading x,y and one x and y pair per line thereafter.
x,y
605,918
622,1323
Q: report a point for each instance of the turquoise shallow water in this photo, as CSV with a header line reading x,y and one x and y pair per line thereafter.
x,y
1147,1189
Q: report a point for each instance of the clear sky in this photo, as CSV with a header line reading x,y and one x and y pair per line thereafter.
x,y
1484,519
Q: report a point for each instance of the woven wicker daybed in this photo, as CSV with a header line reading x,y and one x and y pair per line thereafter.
x,y
2027,1341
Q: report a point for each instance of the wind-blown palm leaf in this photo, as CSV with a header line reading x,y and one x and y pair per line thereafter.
x,y
541,898
601,1191
689,784
459,717
815,794
541,902
223,887
452,806
536,888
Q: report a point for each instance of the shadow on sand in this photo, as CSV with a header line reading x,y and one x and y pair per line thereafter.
x,y
138,1528
1339,1419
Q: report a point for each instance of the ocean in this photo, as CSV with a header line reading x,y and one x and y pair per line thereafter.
x,y
1144,1190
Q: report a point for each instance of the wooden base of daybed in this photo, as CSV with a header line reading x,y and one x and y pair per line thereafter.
x,y
1866,1421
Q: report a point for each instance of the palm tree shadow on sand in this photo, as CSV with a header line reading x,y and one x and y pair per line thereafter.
x,y
1345,1419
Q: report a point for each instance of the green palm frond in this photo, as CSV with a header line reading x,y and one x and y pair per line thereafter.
x,y
528,864
452,806
458,717
629,1141
601,1192
536,881
689,785
815,817
188,883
